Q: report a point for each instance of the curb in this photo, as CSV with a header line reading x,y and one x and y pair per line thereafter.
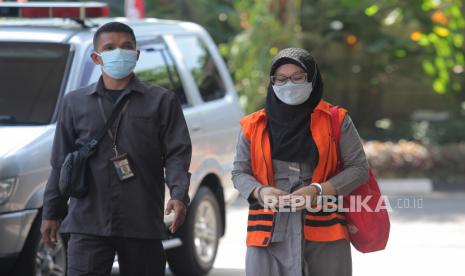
x,y
406,186
418,186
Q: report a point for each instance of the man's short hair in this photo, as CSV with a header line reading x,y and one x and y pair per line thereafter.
x,y
113,27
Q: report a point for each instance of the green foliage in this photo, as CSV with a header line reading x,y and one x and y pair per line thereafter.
x,y
374,58
379,58
265,31
445,41
425,132
219,17
438,28
442,132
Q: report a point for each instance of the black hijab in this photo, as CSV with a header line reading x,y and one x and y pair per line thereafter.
x,y
289,125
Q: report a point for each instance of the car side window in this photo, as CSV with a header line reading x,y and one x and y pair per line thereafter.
x,y
90,72
156,66
202,67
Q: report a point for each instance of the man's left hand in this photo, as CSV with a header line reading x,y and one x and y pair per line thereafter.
x,y
179,209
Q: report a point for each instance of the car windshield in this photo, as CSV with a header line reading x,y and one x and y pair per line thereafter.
x,y
31,77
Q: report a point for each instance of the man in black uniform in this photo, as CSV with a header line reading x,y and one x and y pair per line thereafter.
x,y
123,210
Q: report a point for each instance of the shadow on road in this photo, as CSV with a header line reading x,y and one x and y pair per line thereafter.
x,y
213,272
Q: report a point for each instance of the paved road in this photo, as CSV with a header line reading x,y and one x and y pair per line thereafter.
x,y
427,238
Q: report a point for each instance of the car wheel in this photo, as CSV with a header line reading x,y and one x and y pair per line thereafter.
x,y
200,235
38,259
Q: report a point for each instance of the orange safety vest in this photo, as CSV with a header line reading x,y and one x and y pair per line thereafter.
x,y
320,226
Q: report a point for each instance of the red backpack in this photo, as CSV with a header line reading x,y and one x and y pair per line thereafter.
x,y
369,231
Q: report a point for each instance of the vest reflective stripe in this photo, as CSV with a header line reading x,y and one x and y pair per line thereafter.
x,y
326,233
320,212
259,217
259,226
327,227
328,217
258,223
260,210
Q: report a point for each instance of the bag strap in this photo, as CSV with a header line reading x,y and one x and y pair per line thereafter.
x,y
114,113
336,129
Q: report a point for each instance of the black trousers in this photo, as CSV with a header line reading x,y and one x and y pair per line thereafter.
x,y
94,255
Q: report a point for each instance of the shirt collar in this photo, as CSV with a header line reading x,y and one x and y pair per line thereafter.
x,y
135,84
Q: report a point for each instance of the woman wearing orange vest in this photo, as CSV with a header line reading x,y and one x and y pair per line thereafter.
x,y
287,150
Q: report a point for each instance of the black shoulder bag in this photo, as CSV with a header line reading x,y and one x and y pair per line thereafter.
x,y
73,174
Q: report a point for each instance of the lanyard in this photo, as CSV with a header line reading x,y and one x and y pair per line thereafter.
x,y
118,121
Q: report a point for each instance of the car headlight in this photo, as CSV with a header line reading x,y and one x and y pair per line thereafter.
x,y
6,188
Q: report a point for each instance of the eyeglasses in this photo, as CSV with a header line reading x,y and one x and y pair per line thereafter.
x,y
297,78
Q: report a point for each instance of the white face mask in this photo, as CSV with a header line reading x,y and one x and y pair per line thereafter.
x,y
295,94
292,93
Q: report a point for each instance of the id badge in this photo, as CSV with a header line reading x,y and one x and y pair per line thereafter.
x,y
122,166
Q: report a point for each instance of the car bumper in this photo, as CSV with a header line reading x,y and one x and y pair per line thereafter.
x,y
14,229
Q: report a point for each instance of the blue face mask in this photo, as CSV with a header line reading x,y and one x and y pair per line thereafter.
x,y
118,63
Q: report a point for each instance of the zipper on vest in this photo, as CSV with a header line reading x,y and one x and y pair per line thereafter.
x,y
264,160
269,184
325,177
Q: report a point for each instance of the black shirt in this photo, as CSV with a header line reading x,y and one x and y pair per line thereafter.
x,y
154,134
114,94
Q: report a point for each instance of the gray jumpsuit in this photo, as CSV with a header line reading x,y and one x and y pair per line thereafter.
x,y
289,253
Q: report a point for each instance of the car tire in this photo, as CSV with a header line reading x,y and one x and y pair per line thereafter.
x,y
200,236
37,259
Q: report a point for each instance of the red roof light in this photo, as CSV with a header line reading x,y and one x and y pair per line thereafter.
x,y
57,10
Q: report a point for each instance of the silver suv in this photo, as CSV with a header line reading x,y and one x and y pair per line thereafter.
x,y
43,59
